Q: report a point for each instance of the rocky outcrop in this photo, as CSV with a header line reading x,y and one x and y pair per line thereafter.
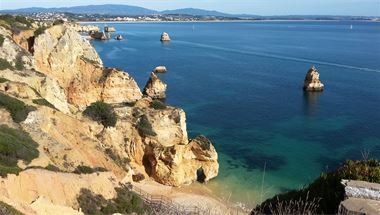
x,y
84,28
25,39
13,53
160,69
119,83
62,54
155,88
312,82
46,87
361,198
165,37
182,164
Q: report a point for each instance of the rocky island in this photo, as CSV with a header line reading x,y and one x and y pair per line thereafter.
x,y
76,127
312,82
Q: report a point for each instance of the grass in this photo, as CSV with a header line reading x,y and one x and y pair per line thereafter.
x,y
19,65
3,80
15,145
1,40
101,112
327,188
18,109
43,102
158,105
145,127
6,209
126,202
4,64
88,170
122,162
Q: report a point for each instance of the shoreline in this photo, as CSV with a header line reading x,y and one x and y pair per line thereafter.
x,y
224,21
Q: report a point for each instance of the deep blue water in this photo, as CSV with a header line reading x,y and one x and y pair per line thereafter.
x,y
241,85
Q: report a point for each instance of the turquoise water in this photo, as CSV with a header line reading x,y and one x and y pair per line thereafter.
x,y
241,85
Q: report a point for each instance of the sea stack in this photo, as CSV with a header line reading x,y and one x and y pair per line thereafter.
x,y
155,88
165,37
160,69
312,82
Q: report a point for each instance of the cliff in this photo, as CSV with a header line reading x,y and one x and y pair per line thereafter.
x,y
44,105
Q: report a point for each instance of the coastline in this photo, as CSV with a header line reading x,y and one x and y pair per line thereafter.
x,y
223,21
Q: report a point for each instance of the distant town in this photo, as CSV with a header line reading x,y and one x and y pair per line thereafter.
x,y
51,16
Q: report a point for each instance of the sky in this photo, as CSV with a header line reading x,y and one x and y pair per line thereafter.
x,y
257,7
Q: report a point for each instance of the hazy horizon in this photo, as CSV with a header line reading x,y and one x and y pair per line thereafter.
x,y
253,7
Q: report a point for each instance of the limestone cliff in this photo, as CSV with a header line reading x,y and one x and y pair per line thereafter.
x,y
61,77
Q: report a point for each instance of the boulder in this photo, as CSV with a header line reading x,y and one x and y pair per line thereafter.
x,y
155,88
312,82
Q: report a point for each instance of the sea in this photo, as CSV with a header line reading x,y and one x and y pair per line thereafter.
x,y
240,84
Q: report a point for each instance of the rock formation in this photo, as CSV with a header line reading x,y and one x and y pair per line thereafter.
x,y
160,69
155,88
312,82
62,54
62,77
165,37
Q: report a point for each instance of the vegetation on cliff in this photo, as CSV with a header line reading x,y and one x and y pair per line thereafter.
x,y
15,23
145,127
101,112
327,190
158,105
15,145
126,202
18,109
4,64
6,209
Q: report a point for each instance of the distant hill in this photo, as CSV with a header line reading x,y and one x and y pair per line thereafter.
x,y
117,9
195,12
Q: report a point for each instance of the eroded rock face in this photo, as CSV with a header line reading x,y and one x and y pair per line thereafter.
x,y
121,84
12,53
182,164
62,54
25,39
155,88
312,82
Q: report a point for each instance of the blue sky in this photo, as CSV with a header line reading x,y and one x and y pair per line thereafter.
x,y
259,7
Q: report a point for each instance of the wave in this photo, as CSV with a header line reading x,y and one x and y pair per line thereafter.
x,y
281,57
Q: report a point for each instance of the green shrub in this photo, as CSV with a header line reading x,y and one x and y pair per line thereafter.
x,y
43,102
126,202
15,23
15,145
88,170
4,64
18,109
19,65
204,142
39,31
6,209
158,105
58,22
144,126
3,80
122,162
328,187
1,40
52,168
101,112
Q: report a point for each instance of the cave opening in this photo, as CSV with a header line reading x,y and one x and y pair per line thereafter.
x,y
201,177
